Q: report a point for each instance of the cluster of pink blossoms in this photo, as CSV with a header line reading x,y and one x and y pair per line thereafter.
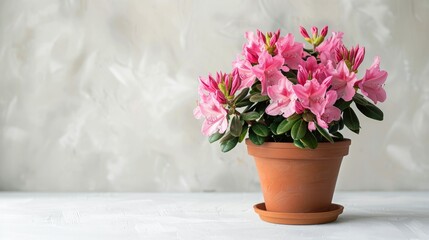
x,y
295,79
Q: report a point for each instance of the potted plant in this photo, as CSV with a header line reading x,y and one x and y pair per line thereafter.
x,y
292,102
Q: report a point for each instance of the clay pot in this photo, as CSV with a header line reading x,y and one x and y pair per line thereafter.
x,y
295,180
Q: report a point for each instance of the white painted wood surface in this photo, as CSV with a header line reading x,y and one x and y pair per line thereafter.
x,y
367,215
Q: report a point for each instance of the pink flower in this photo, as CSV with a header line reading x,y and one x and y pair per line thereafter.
x,y
311,95
343,81
327,49
210,86
268,70
306,70
290,50
283,99
222,86
259,43
321,73
331,113
270,40
310,69
245,72
303,75
253,48
232,83
354,57
372,83
213,113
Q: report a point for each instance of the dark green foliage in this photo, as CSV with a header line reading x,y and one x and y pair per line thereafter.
x,y
351,120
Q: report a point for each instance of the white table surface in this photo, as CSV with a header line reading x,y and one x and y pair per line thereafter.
x,y
367,215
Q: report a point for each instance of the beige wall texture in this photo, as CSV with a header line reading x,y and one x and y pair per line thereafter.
x,y
98,95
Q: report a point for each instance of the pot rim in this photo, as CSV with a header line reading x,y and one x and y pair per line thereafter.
x,y
285,150
321,145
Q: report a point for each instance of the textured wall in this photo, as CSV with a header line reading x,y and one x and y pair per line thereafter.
x,y
98,95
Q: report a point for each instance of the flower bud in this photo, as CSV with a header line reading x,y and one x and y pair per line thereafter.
x,y
315,31
304,33
324,31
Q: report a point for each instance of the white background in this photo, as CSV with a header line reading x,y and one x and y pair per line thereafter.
x,y
98,95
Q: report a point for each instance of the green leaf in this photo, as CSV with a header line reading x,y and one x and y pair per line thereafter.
x,y
309,140
351,120
285,126
338,135
236,126
367,108
341,104
341,124
229,144
260,129
299,129
298,143
227,137
370,111
215,136
259,98
294,117
250,116
243,103
243,133
324,133
334,127
261,107
241,95
273,127
359,99
256,88
258,140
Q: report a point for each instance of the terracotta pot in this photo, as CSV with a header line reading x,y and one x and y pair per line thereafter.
x,y
295,180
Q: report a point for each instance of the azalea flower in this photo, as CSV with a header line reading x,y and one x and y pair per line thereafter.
x,y
352,57
268,70
328,48
312,95
372,83
290,50
259,43
343,81
283,99
245,71
303,75
214,115
270,40
210,86
330,113
253,48
310,69
223,86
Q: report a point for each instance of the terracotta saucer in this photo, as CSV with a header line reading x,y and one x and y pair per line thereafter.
x,y
299,218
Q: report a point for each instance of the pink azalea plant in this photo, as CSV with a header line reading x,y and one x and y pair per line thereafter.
x,y
280,91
